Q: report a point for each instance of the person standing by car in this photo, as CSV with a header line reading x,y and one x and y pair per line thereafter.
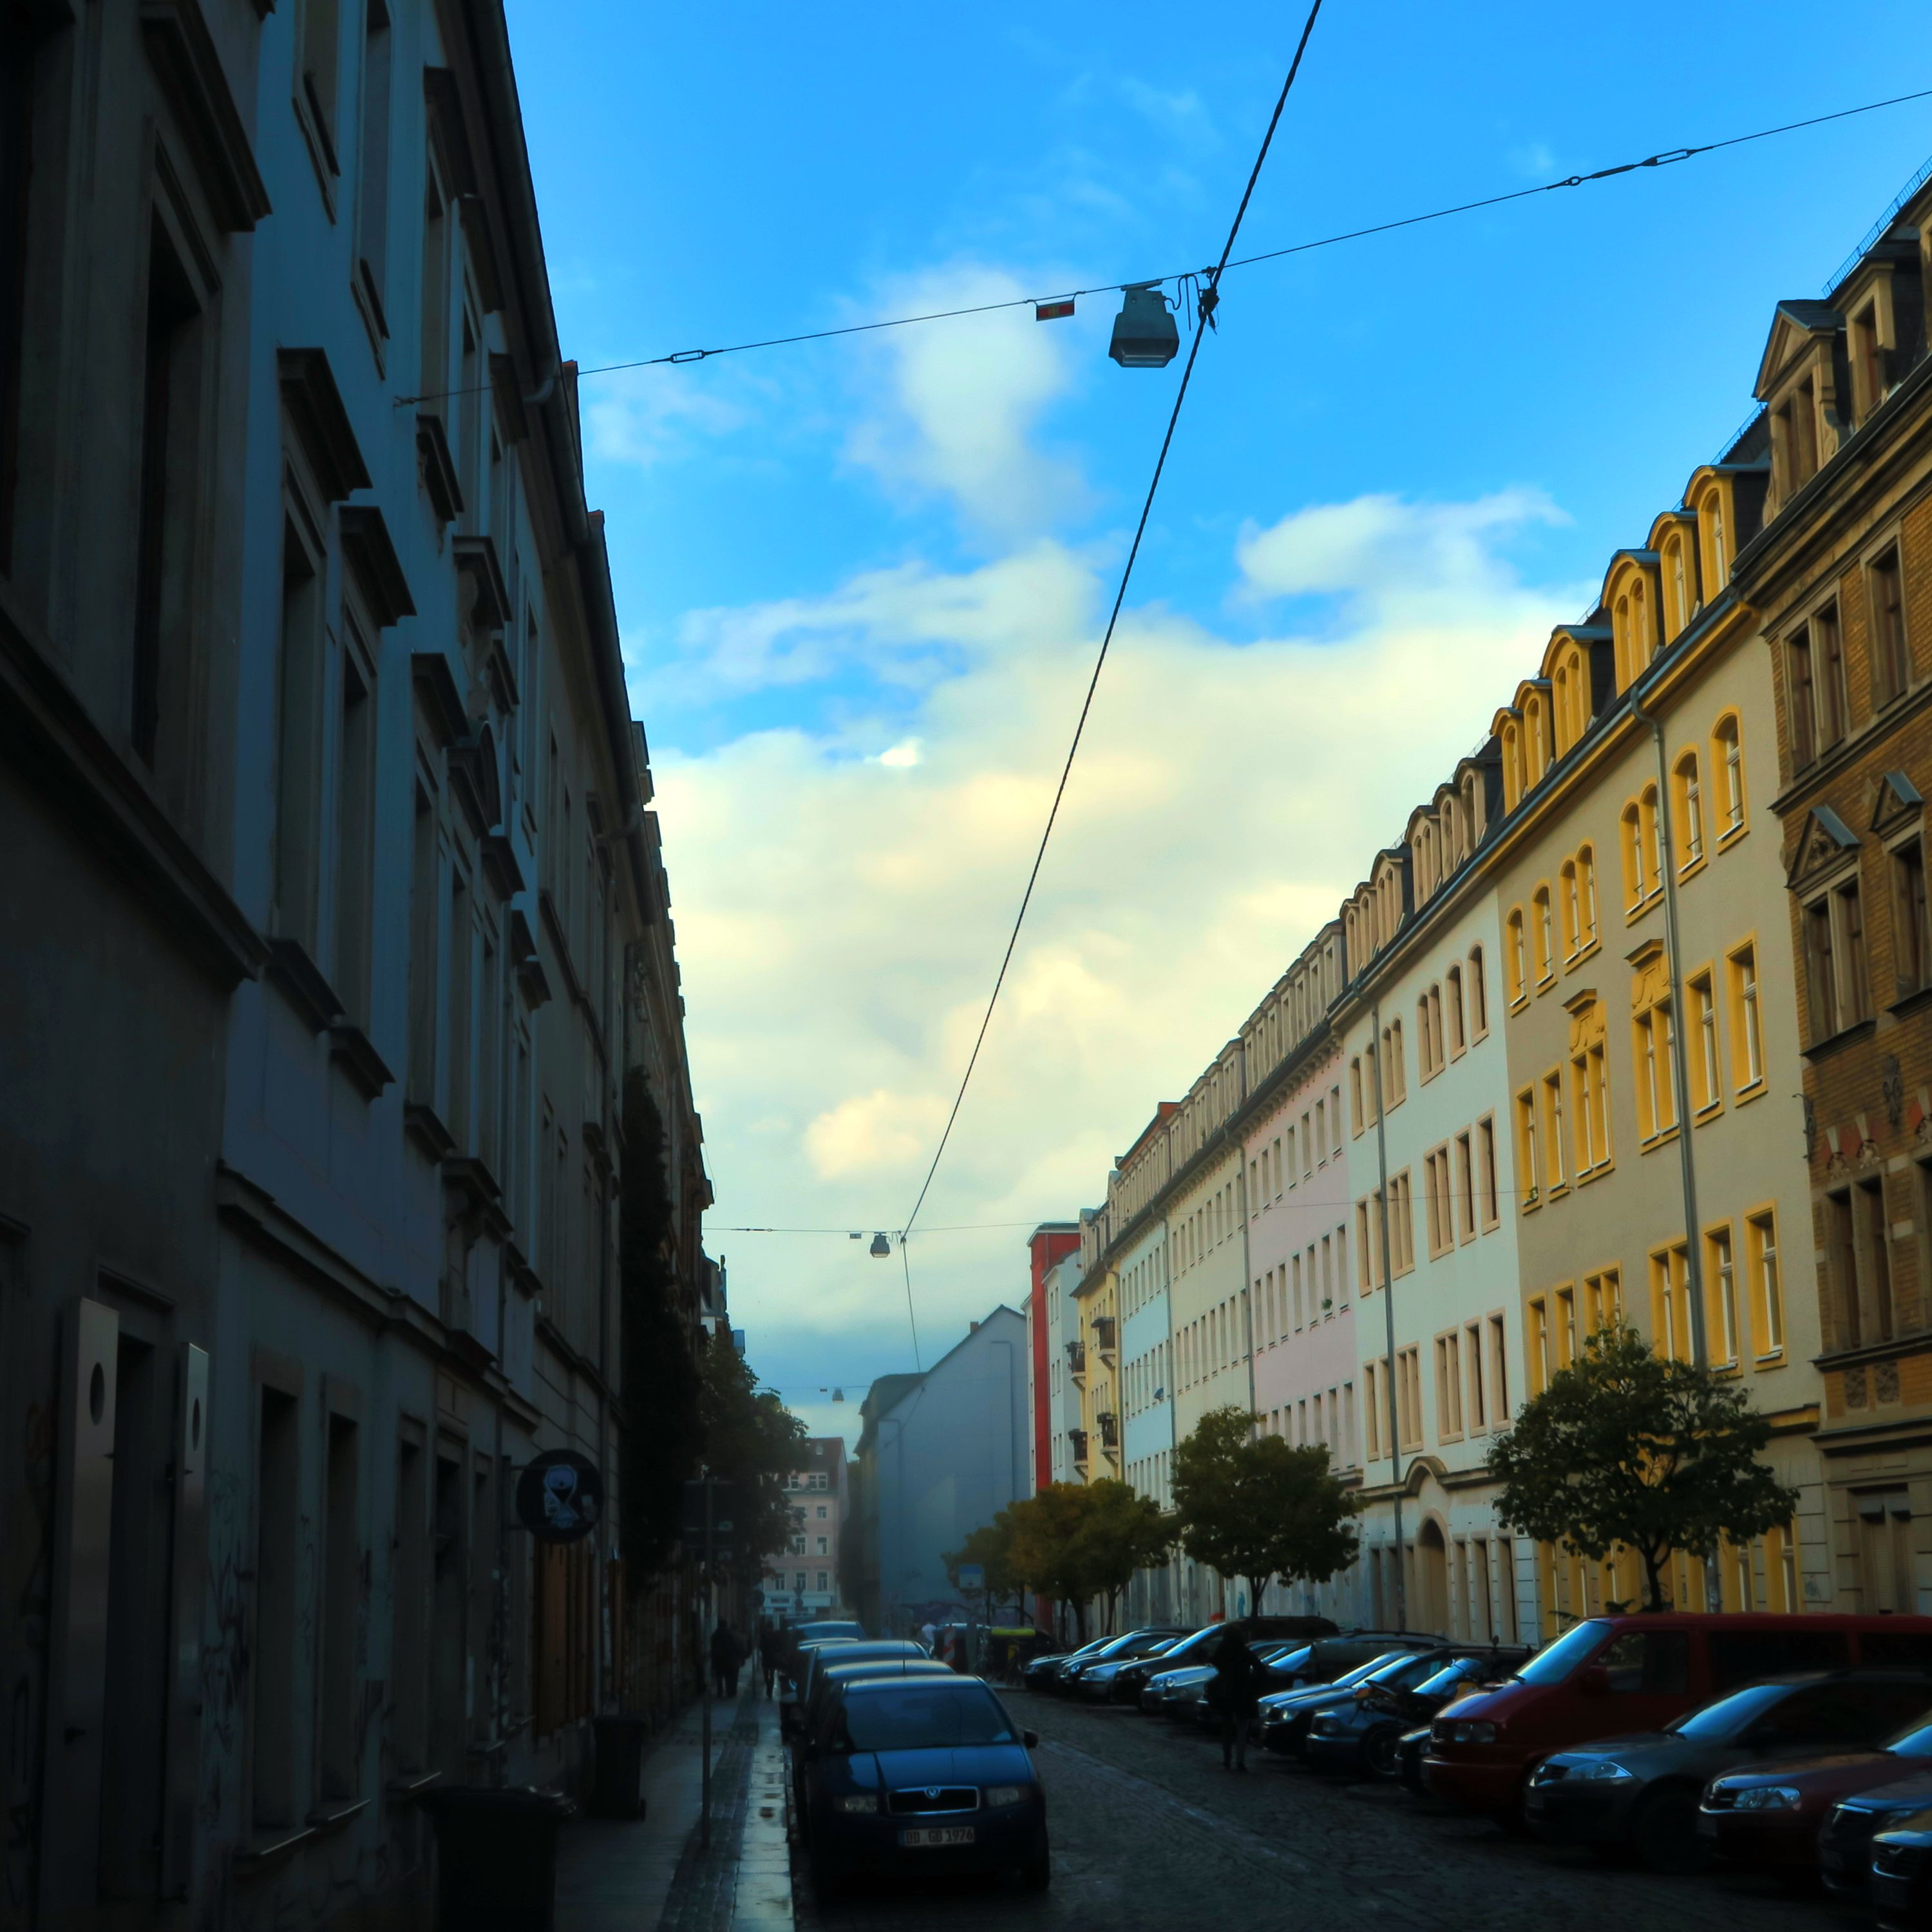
x,y
1231,1694
768,1645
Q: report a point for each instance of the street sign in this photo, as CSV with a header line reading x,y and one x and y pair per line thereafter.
x,y
560,1496
972,1576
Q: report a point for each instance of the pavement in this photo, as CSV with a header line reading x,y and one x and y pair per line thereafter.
x,y
651,1874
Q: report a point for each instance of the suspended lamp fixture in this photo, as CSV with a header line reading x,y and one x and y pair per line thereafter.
x,y
1145,334
881,1246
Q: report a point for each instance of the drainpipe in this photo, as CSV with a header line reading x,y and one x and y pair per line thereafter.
x,y
1680,1073
1388,1315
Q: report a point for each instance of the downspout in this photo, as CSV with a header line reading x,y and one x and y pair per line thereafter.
x,y
1247,1297
1680,1073
1388,1314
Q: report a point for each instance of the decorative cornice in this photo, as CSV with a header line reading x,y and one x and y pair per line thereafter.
x,y
183,54
314,404
371,555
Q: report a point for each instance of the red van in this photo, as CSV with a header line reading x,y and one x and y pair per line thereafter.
x,y
1611,1675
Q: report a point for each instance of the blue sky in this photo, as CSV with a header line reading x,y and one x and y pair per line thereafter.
x,y
859,580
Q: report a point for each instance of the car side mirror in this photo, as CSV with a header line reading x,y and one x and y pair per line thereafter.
x,y
1594,1681
1030,1739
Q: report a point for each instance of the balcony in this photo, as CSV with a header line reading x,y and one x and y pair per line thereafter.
x,y
1105,1333
1110,1430
1076,1361
1078,1437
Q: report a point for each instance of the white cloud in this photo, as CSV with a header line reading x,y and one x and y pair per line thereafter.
x,y
954,407
840,918
902,756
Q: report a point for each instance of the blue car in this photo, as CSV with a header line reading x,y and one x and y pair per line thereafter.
x,y
921,1774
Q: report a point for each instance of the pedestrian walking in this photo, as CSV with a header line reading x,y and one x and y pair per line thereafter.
x,y
769,1643
1232,1695
725,1660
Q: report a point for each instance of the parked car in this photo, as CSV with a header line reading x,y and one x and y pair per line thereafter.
x,y
1097,1678
794,1635
928,1774
1771,1815
1116,1650
1131,1682
1642,1790
1900,1880
793,1673
1038,1674
1285,1718
1332,1657
834,1676
1845,1841
1620,1674
1366,1734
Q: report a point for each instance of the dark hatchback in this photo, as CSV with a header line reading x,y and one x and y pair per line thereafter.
x,y
1285,1718
1367,1733
1072,1673
921,1774
1641,1790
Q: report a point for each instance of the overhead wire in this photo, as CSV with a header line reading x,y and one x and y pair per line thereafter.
x,y
1665,158
1208,301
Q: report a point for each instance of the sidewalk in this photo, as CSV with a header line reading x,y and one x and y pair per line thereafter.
x,y
650,1875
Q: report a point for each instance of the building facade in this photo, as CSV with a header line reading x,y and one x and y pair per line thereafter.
x,y
802,1581
351,918
1048,1245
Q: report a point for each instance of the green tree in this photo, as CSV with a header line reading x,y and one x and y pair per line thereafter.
x,y
1123,1532
1044,1551
1629,1447
991,1546
1260,1507
752,1441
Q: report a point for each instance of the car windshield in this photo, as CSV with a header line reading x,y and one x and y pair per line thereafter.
x,y
1291,1659
1452,1678
1403,1670
1362,1671
1730,1714
921,1716
815,1632
1554,1661
1915,1741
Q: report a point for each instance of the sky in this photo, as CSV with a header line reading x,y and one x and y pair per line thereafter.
x,y
860,583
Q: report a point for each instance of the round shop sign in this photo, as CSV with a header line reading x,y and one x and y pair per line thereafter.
x,y
559,1496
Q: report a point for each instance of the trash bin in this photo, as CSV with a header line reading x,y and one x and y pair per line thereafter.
x,y
497,1857
620,1763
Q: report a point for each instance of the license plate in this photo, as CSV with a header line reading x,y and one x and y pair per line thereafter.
x,y
1707,1827
937,1834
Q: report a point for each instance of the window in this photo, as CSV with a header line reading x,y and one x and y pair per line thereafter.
x,y
1655,1663
1499,1401
1456,1018
1891,657
298,739
1565,1312
1707,1089
1486,1172
1550,1123
1586,897
1477,1412
1479,997
1568,900
1409,1397
1335,1123
355,838
462,1045
1794,437
1602,1301
1543,937
1688,801
1466,1188
1727,774
1515,960
1747,1023
1539,1345
1528,1176
1656,1071
408,1639
320,31
1439,1205
1448,1386
1670,1301
1589,1101
424,979
1815,683
1401,1224
1394,1081
372,187
169,468
1834,960
1841,1256
1912,949
277,1592
336,1707
1721,1286
1874,1260
1355,1118
1767,1300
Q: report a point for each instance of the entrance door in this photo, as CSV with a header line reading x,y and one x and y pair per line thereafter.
x,y
1432,1565
1884,1552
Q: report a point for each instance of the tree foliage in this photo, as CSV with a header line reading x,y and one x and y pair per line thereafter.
x,y
1070,1541
1260,1507
752,1441
1626,1447
661,1443
1123,1532
989,1546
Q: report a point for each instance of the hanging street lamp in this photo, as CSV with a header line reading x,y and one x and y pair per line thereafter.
x,y
1145,334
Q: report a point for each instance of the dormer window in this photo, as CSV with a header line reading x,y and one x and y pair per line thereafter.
x,y
1868,359
1794,437
1678,587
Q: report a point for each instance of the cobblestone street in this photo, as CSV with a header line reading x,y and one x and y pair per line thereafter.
x,y
1149,1831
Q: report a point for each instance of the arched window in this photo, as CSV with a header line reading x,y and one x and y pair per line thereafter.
x,y
1512,746
1535,744
1727,775
1425,1037
1479,995
1453,1013
1586,895
1472,806
1639,629
1436,1044
1720,562
1687,799
1569,908
1541,936
1680,587
1650,845
1515,962
1632,850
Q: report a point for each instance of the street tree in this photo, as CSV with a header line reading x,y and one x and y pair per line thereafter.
x,y
1626,1447
1044,1550
1123,1532
752,1441
1260,1508
991,1546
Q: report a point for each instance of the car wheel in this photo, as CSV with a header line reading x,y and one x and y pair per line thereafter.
x,y
1381,1752
1664,1832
